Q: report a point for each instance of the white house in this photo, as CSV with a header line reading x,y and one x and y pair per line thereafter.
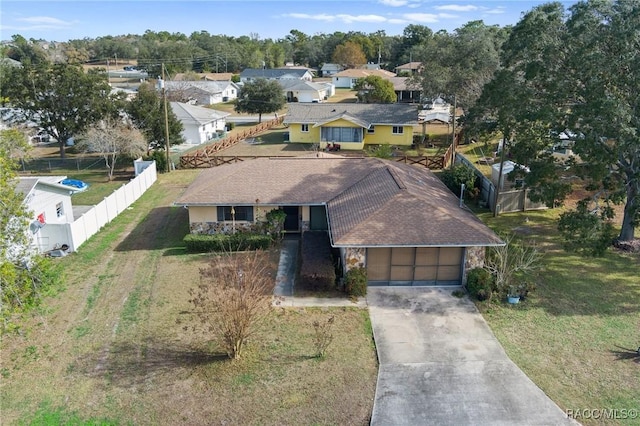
x,y
252,74
200,124
329,70
50,204
347,78
204,92
305,91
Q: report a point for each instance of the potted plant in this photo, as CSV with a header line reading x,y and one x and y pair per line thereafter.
x,y
513,295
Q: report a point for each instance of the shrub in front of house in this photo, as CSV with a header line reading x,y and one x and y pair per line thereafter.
x,y
317,272
480,284
201,243
355,282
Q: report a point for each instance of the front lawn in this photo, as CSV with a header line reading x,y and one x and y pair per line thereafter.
x,y
577,335
112,347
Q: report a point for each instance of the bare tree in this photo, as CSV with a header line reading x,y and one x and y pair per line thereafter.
x,y
511,262
233,298
113,139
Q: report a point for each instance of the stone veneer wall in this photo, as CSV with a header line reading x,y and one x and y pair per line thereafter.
x,y
354,257
474,259
219,227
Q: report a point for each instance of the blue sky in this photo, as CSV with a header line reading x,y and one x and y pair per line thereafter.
x,y
56,20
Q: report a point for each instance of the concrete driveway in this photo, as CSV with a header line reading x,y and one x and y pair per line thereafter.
x,y
440,364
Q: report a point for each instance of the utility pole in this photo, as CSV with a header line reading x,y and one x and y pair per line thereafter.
x,y
453,138
166,120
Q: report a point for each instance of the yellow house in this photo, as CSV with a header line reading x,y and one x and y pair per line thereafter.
x,y
352,126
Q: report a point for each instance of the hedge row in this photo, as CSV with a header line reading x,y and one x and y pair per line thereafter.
x,y
317,271
197,243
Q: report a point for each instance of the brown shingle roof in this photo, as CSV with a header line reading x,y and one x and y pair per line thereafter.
x,y
370,202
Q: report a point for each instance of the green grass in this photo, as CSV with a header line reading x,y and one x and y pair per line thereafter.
x,y
575,336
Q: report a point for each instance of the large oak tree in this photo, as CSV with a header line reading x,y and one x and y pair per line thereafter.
x,y
62,99
576,70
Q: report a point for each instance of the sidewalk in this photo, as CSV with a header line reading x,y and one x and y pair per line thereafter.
x,y
285,280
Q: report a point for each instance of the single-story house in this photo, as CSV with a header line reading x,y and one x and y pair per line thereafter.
x,y
204,92
199,124
329,70
347,78
351,125
400,222
251,74
410,68
49,202
306,91
406,90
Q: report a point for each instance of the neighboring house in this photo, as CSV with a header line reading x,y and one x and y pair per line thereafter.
x,y
347,78
251,74
306,91
128,93
58,227
406,90
410,68
8,62
200,124
50,205
398,221
329,70
371,66
351,125
436,111
204,92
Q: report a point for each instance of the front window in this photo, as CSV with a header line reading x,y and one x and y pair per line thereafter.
x,y
398,130
305,127
239,213
341,134
371,129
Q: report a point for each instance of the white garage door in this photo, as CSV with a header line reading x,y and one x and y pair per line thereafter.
x,y
415,265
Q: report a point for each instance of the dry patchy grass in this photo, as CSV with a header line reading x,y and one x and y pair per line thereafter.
x,y
576,336
112,345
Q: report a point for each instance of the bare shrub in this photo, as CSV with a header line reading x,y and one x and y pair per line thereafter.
x,y
322,336
233,298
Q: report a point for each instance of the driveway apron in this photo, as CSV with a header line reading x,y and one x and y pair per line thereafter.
x,y
440,364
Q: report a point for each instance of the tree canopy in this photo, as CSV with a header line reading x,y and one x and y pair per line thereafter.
x,y
62,98
375,89
260,96
22,271
146,111
349,55
573,71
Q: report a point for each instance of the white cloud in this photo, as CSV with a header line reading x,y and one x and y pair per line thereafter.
x,y
45,21
421,17
496,11
361,18
347,19
393,3
458,7
320,17
447,16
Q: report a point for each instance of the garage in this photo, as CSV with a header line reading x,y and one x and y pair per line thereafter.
x,y
415,266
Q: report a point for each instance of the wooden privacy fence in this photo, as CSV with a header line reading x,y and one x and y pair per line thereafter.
x,y
432,162
206,156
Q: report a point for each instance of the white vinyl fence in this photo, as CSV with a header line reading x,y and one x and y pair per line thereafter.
x,y
89,223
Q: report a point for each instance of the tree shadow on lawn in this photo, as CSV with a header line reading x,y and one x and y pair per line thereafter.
x,y
624,354
129,364
574,285
161,228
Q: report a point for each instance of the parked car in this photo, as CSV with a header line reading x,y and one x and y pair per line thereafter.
x,y
41,137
